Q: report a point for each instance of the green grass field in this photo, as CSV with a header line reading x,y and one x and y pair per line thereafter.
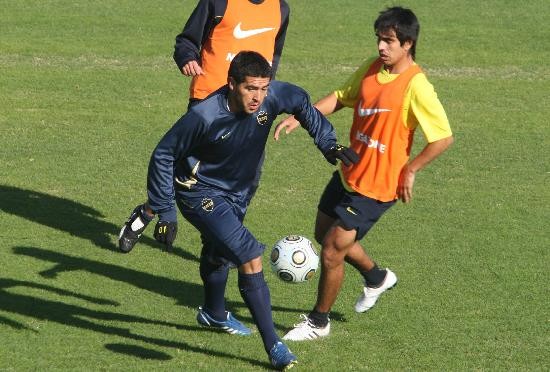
x,y
87,88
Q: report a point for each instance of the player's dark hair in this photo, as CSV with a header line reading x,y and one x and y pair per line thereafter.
x,y
403,22
248,63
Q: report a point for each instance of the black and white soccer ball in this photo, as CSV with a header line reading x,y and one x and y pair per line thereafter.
x,y
294,259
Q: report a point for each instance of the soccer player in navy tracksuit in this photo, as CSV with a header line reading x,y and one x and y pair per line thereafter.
x,y
208,161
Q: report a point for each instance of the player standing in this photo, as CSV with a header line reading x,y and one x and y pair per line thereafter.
x,y
391,97
218,29
208,163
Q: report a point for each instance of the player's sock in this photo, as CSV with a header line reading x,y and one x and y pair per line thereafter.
x,y
318,319
214,278
255,294
374,277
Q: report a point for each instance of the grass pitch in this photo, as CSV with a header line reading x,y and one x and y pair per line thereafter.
x,y
88,89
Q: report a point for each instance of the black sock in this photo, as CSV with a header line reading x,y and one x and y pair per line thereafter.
x,y
214,278
255,294
374,277
318,319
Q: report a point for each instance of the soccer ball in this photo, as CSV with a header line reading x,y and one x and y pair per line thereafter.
x,y
294,259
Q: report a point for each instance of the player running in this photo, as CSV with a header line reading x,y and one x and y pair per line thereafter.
x,y
208,163
391,97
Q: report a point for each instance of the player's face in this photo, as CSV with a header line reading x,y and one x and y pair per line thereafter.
x,y
248,96
392,53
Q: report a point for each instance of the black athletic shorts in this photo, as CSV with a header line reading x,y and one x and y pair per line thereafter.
x,y
355,211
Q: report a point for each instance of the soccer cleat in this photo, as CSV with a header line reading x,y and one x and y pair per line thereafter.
x,y
370,295
131,231
230,325
281,357
306,330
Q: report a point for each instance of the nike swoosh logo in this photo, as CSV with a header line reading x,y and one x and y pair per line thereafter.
x,y
239,33
351,211
224,136
369,111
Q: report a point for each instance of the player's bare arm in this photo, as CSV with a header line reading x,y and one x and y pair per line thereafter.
x,y
326,105
408,173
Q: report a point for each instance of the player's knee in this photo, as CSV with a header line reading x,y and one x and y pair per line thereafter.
x,y
331,257
251,267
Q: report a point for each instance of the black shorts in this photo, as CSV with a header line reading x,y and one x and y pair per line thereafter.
x,y
355,211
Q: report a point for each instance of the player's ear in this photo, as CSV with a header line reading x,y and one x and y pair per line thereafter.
x,y
232,83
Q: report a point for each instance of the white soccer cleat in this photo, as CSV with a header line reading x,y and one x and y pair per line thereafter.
x,y
306,330
370,295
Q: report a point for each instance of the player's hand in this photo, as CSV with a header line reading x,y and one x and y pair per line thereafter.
x,y
192,68
405,186
139,219
288,124
342,153
165,233
134,227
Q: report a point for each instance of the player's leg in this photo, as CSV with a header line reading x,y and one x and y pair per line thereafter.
x,y
214,279
237,244
352,215
336,245
323,223
255,293
362,213
317,324
221,223
214,271
337,238
325,218
213,313
358,258
214,276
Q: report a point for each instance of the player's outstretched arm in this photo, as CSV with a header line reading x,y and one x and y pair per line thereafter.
x,y
326,105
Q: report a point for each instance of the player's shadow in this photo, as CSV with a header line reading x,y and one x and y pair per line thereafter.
x,y
70,315
66,215
185,293
137,351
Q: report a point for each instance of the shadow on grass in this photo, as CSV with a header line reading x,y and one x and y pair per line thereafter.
x,y
138,352
85,222
187,294
84,318
66,215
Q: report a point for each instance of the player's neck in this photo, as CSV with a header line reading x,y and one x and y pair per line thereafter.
x,y
401,66
231,104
